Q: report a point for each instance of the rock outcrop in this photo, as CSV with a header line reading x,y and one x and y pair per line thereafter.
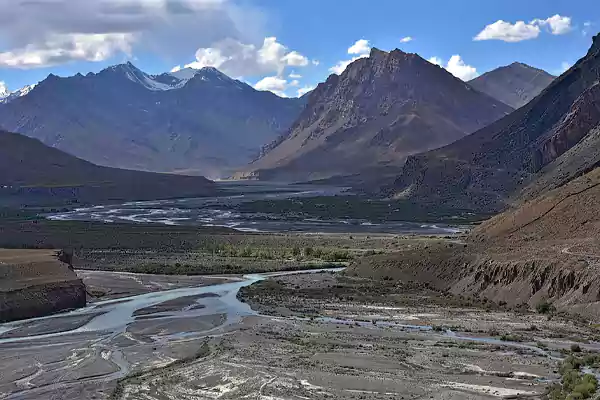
x,y
34,283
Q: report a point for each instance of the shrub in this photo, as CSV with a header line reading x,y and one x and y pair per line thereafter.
x,y
545,308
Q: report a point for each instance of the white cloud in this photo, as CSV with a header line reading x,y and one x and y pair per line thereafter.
x,y
39,33
406,39
294,83
176,68
294,75
507,32
362,48
273,84
457,67
520,30
316,62
341,66
3,90
302,91
238,59
564,66
436,61
63,48
295,59
558,24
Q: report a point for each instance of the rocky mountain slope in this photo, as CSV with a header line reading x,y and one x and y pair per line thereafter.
x,y
30,169
380,110
515,84
542,145
193,121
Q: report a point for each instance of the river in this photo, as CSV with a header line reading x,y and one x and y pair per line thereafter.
x,y
222,211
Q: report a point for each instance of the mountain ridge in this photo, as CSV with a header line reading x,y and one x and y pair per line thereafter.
x,y
488,169
383,108
30,170
123,117
515,84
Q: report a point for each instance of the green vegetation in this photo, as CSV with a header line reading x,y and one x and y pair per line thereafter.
x,y
357,207
574,384
227,268
545,308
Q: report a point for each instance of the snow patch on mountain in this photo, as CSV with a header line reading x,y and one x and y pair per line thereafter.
x,y
7,96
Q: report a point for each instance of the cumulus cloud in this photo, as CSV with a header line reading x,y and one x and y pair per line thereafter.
x,y
280,86
507,32
361,48
239,59
63,48
520,30
436,61
406,39
295,59
457,67
557,24
273,84
302,91
48,32
294,75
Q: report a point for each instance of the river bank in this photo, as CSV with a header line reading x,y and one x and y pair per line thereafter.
x,y
319,335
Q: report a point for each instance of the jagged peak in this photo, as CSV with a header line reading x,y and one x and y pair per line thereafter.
x,y
128,66
377,52
595,44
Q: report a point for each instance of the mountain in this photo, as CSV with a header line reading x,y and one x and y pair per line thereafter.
x,y
6,96
201,123
31,170
540,147
380,110
515,84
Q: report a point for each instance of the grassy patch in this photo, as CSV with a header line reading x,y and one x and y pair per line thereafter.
x,y
574,384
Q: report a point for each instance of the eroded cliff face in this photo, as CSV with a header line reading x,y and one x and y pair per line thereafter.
x,y
33,283
526,275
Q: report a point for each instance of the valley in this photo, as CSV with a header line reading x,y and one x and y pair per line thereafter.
x,y
405,228
161,337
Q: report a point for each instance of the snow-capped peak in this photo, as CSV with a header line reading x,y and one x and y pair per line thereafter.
x,y
6,96
3,91
138,76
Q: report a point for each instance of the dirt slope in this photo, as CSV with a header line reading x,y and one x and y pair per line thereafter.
x,y
34,283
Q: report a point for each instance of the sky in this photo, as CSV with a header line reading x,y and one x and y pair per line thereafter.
x,y
286,46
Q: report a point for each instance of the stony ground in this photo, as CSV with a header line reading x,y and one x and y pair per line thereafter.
x,y
333,336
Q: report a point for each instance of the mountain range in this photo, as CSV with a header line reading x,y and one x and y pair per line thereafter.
x,y
361,124
380,110
189,121
541,147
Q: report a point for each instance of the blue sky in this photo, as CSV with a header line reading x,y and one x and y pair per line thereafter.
x,y
265,41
